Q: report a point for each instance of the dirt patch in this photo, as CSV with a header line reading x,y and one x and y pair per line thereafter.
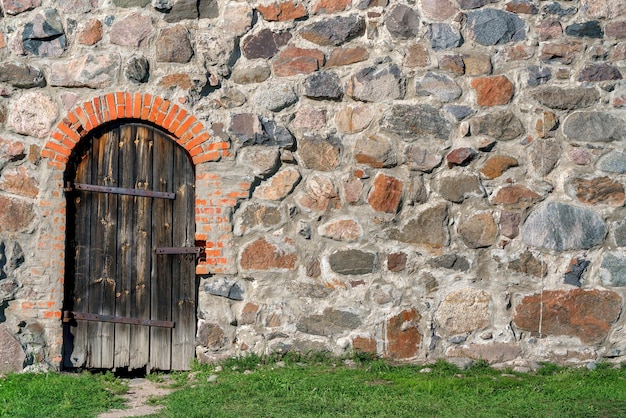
x,y
139,392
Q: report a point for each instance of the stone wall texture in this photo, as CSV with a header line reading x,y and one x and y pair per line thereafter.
x,y
417,179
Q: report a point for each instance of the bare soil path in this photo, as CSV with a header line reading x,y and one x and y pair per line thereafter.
x,y
140,391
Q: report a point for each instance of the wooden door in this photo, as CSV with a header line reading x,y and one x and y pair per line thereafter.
x,y
130,287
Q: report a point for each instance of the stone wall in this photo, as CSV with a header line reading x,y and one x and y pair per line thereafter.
x,y
418,179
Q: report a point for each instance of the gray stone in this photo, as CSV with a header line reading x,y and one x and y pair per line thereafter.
x,y
421,159
323,85
276,98
557,226
495,27
181,10
374,150
173,45
222,286
131,3
544,155
619,233
538,75
208,9
320,153
251,72
613,162
352,262
264,161
555,8
264,44
412,122
502,125
428,228
216,49
474,4
256,216
590,29
450,262
444,36
566,98
402,22
76,6
330,322
613,269
21,75
377,84
93,71
12,7
137,69
574,274
132,30
599,72
33,114
457,188
277,135
334,31
44,35
459,112
441,86
594,126
12,354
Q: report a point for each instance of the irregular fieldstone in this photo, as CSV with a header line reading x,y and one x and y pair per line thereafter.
x,y
90,33
323,85
16,214
579,156
586,314
451,262
352,262
477,64
575,271
20,182
557,226
461,156
457,188
594,126
521,7
555,8
421,159
453,64
331,6
566,98
403,338
330,322
495,166
527,263
599,72
11,150
492,91
347,230
181,10
44,35
310,118
92,71
263,161
463,311
613,269
292,61
256,216
375,151
495,27
173,45
509,223
264,44
386,193
279,186
33,114
252,72
441,86
549,28
474,4
137,69
416,56
275,134
396,262
438,10
224,287
492,353
428,228
616,30
591,29
502,125
613,162
516,197
478,231
246,128
334,31
282,11
544,155
599,190
11,353
264,255
211,336
346,56
133,30
459,112
444,36
21,75
354,119
412,122
236,18
14,7
318,153
604,9
130,3
377,84
276,98
563,53
402,22
546,124
319,194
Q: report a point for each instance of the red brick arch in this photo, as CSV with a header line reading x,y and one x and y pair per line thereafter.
x,y
184,127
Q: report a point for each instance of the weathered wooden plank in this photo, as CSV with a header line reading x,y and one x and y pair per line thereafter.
x,y
163,175
140,336
85,316
124,191
183,336
125,247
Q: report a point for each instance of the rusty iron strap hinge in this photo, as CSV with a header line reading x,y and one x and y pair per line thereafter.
x,y
120,190
179,250
68,316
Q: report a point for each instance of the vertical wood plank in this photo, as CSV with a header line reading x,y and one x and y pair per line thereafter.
x,y
125,246
183,335
140,336
161,299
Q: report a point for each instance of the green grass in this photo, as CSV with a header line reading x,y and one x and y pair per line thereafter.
x,y
319,385
59,395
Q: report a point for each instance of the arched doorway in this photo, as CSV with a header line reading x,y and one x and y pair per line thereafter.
x,y
130,287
